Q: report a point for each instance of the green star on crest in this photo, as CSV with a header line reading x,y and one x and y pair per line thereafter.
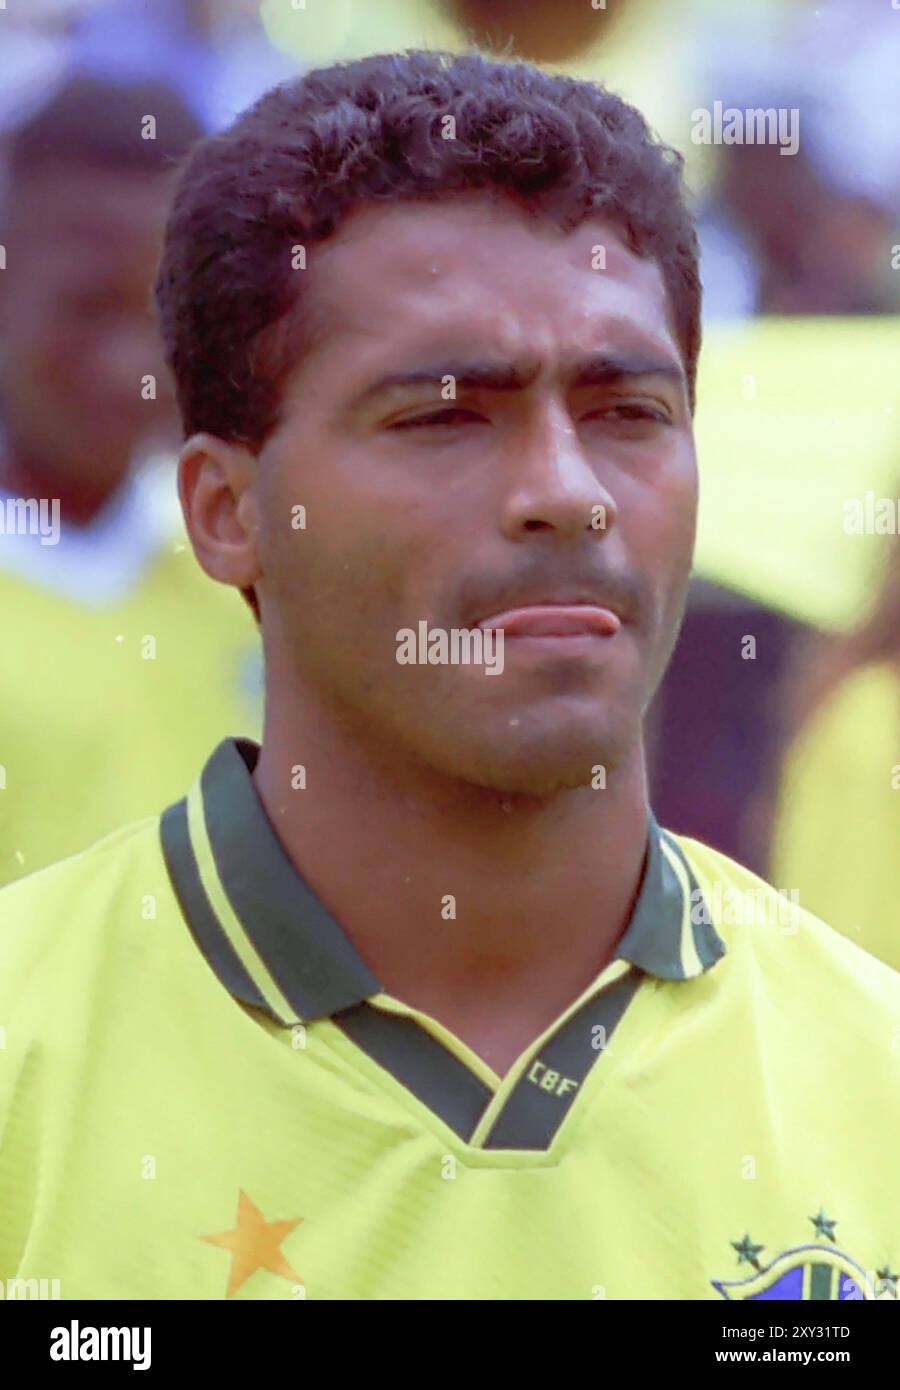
x,y
887,1277
824,1227
747,1251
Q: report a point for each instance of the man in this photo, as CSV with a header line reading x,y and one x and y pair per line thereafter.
x,y
114,640
417,1000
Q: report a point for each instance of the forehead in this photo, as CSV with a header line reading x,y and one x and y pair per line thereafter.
x,y
478,271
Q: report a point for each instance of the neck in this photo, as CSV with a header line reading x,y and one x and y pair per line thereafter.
x,y
491,913
80,496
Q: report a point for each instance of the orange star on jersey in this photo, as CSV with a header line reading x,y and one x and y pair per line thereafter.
x,y
254,1244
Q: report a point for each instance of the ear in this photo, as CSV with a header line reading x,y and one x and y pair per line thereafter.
x,y
216,487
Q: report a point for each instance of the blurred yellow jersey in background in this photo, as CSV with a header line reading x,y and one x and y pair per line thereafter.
x,y
122,663
837,837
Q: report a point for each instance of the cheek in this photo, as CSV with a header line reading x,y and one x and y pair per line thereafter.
x,y
659,500
675,507
333,556
373,529
658,524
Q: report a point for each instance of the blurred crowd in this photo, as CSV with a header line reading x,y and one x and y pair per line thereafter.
x,y
790,761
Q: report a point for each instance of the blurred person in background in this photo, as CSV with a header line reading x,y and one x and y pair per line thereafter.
x,y
806,234
800,241
35,41
716,733
215,53
810,233
837,836
110,635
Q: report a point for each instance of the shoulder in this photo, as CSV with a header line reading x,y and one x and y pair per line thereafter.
x,y
57,925
800,957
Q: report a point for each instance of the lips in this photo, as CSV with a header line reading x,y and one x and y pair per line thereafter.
x,y
555,620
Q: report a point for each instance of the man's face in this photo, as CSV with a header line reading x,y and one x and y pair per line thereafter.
x,y
75,322
423,507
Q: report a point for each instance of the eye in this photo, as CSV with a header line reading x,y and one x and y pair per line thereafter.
x,y
437,418
630,414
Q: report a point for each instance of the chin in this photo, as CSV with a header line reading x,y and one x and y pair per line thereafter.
x,y
538,783
560,759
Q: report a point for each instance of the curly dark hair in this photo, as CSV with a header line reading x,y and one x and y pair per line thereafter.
x,y
295,163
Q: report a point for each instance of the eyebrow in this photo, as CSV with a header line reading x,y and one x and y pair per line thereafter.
x,y
598,369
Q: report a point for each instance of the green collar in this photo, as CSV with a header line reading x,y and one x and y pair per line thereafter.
x,y
274,945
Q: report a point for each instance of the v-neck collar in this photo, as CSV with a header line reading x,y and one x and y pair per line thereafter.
x,y
274,945
238,889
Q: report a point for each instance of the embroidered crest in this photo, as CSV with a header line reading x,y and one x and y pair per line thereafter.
x,y
807,1272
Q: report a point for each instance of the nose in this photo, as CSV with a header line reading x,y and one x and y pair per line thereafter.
x,y
553,485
